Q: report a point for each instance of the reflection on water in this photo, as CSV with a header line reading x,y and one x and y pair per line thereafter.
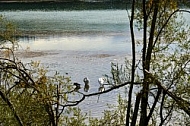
x,y
82,43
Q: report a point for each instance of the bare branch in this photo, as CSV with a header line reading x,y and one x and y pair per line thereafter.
x,y
74,103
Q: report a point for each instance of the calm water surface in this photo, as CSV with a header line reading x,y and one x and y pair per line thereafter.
x,y
83,43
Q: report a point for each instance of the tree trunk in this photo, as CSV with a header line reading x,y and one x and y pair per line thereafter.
x,y
133,65
144,119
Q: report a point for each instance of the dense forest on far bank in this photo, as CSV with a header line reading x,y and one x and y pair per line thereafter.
x,y
69,4
47,5
62,0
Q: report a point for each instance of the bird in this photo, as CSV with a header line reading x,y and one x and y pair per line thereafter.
x,y
86,84
77,86
102,80
101,88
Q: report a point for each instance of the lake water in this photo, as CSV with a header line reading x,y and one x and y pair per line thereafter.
x,y
80,43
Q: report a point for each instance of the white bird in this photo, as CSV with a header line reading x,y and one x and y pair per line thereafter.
x,y
86,84
102,80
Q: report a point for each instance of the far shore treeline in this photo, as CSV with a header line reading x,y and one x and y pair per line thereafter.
x,y
66,4
62,0
62,5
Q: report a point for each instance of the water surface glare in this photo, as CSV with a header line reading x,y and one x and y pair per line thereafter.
x,y
80,43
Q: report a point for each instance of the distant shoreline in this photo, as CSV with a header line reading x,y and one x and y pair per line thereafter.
x,y
61,1
69,4
61,5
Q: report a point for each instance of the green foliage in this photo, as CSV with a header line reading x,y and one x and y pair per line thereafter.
x,y
74,118
7,31
119,74
165,54
28,96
